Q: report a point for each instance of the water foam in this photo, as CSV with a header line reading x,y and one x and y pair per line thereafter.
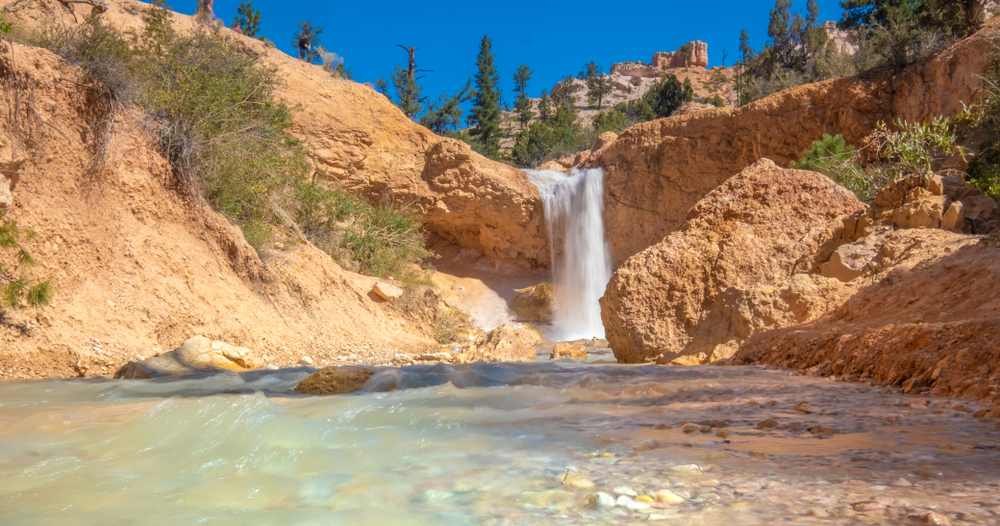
x,y
581,262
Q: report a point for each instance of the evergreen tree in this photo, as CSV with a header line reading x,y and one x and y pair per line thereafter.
x,y
313,32
589,71
668,94
746,57
344,71
248,19
523,104
446,112
383,87
485,113
870,12
544,106
597,87
408,97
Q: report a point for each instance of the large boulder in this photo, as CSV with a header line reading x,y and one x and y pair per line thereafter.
x,y
718,279
335,380
196,355
503,344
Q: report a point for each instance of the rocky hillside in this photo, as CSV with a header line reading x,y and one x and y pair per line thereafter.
x,y
359,138
656,171
137,266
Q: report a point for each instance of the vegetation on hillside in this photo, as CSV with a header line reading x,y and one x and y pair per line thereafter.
x,y
211,105
891,34
16,289
895,150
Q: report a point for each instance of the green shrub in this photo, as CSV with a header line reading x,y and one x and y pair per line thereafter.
x,y
984,170
14,285
221,128
5,27
835,159
717,101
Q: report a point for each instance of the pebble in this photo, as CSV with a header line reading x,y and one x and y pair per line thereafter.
x,y
722,433
868,506
579,483
690,428
602,500
935,519
902,483
767,424
625,490
644,498
687,468
305,360
665,496
816,512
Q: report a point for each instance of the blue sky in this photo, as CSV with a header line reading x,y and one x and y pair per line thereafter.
x,y
553,38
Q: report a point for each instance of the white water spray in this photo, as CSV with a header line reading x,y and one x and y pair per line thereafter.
x,y
581,263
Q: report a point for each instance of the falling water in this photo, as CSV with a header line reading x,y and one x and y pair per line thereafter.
x,y
581,266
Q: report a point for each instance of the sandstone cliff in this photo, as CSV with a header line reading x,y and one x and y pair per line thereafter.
x,y
656,171
694,54
358,137
740,265
928,322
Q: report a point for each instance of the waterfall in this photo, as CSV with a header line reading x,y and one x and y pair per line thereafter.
x,y
581,263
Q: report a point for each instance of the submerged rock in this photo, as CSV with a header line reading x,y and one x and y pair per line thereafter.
x,y
335,380
197,355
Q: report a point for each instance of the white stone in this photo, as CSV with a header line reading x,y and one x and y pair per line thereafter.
x,y
387,291
305,360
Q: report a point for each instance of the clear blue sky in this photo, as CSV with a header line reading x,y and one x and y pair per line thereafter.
x,y
553,38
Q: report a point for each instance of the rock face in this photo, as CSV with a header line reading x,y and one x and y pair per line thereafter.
x,y
937,202
197,355
503,344
656,171
335,380
844,40
733,270
534,304
691,55
929,321
6,199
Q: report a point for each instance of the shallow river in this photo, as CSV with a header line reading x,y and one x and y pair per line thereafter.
x,y
546,443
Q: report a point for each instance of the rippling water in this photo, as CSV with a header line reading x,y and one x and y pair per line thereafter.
x,y
490,444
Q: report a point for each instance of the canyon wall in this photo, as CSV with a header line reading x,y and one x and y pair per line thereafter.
x,y
656,171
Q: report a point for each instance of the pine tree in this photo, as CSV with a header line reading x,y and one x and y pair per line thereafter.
x,y
485,113
408,97
869,12
598,84
446,112
544,106
313,33
248,19
747,54
523,103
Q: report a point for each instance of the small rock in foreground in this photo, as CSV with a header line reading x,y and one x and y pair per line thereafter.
x,y
197,355
387,291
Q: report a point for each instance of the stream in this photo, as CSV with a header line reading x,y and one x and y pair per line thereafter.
x,y
494,444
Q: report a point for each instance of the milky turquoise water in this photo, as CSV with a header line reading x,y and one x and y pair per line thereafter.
x,y
489,444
